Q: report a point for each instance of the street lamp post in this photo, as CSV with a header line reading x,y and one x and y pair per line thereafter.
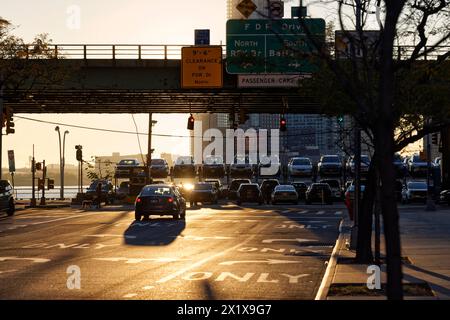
x,y
61,160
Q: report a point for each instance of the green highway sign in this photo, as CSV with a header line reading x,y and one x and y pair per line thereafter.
x,y
271,46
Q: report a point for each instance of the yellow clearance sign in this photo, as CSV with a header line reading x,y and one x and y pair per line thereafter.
x,y
201,67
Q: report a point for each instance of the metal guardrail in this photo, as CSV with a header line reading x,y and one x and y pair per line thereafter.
x,y
170,51
113,51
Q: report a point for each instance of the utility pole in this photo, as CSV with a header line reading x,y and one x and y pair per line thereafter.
x,y
151,123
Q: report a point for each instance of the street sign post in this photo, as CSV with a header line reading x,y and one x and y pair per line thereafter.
x,y
202,37
201,67
272,46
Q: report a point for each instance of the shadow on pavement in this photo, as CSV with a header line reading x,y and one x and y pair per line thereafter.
x,y
153,232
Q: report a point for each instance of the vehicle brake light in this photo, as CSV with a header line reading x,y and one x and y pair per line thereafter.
x,y
138,200
170,199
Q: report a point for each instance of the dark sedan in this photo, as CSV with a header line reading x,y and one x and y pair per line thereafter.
x,y
234,186
159,168
319,192
267,187
301,188
249,192
160,200
204,192
444,197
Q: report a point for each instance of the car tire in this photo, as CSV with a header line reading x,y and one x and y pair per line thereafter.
x,y
176,216
137,216
183,214
11,208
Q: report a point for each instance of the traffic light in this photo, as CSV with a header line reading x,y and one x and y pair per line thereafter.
x,y
79,152
38,166
9,121
434,138
41,184
190,124
283,124
51,184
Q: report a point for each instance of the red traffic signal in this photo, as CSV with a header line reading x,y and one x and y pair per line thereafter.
x,y
190,124
283,124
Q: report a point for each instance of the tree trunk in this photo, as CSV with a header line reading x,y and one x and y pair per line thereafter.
x,y
390,213
364,246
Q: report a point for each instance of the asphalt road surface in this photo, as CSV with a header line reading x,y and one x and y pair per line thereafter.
x,y
219,252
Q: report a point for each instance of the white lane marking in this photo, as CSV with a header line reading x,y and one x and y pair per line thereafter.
x,y
65,218
337,213
199,238
288,240
111,235
303,211
8,271
35,260
203,261
138,260
286,211
320,212
130,295
148,287
267,261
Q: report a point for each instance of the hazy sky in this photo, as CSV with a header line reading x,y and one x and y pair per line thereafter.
x,y
112,22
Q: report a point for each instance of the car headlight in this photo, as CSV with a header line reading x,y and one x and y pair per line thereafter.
x,y
188,186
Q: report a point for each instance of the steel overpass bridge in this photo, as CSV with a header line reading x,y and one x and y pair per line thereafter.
x,y
146,79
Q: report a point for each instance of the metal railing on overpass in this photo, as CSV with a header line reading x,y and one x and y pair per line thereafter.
x,y
173,51
113,51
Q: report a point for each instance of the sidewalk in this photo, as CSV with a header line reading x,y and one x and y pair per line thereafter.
x,y
49,204
425,240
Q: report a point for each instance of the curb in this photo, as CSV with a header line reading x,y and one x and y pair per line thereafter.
x,y
327,279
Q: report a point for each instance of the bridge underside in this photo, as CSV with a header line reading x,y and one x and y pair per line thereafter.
x,y
144,86
164,101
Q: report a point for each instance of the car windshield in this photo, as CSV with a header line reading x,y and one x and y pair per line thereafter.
x,y
331,183
157,162
184,160
236,183
270,183
416,158
124,184
417,185
319,186
94,184
330,159
213,160
284,188
156,191
248,187
301,162
128,162
203,186
299,185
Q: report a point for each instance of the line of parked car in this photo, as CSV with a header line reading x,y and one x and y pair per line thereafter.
x,y
328,166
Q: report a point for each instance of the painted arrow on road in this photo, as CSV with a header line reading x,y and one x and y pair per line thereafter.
x,y
138,260
35,260
268,261
287,240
